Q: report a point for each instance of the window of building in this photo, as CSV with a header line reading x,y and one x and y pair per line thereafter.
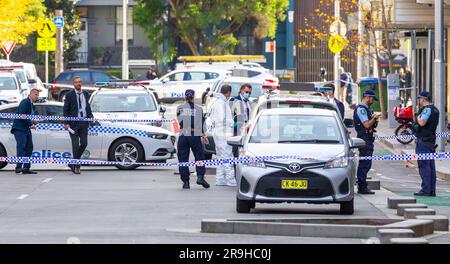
x,y
119,24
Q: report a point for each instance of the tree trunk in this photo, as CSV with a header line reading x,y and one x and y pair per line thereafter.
x,y
388,43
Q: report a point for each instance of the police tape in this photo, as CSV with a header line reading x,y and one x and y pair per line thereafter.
x,y
91,129
226,161
79,119
438,135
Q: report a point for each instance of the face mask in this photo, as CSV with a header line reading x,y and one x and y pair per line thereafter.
x,y
246,96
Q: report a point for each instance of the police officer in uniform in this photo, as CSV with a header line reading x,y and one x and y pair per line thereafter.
x,y
425,131
365,123
191,120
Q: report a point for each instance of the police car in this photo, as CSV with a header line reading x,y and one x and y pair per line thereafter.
x,y
132,102
171,87
122,142
10,89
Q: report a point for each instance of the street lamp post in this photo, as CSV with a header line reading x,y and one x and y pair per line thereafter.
x,y
439,93
337,56
124,40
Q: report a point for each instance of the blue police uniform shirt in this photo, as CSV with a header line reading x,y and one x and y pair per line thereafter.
x,y
425,114
362,113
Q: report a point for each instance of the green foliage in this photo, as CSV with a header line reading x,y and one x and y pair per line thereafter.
x,y
209,24
117,73
71,25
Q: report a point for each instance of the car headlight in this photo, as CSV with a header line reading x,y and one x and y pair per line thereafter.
x,y
340,162
157,135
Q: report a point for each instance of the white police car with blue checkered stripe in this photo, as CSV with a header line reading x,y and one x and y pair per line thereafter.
x,y
123,142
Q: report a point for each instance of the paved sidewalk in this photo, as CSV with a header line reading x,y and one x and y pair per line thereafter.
x,y
383,129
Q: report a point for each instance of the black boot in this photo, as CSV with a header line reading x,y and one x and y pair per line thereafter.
x,y
186,185
201,181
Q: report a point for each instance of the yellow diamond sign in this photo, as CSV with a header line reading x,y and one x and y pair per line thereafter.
x,y
336,43
47,29
44,44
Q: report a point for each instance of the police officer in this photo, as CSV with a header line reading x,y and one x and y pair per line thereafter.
x,y
425,131
365,123
191,120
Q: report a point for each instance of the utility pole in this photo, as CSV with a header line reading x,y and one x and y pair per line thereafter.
x,y
124,40
439,93
59,54
275,57
337,56
359,71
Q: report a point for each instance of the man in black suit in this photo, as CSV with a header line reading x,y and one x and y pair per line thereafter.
x,y
21,129
329,92
77,105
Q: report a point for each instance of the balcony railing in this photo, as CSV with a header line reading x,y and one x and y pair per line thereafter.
x,y
82,58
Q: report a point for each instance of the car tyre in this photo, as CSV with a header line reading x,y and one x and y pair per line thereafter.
x,y
346,208
119,144
244,206
2,154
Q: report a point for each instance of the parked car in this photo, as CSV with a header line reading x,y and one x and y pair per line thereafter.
x,y
63,83
10,89
132,142
171,87
327,177
127,103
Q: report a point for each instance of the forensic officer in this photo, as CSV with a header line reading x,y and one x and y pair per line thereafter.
x,y
191,120
365,123
21,129
425,131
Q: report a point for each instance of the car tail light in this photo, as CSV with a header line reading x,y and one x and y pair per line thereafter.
x,y
54,86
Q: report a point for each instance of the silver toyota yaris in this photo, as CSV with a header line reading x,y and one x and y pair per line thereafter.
x,y
325,175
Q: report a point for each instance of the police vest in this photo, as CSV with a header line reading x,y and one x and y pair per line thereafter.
x,y
361,131
428,131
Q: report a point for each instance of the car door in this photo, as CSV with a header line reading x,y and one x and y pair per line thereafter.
x,y
58,141
171,85
8,140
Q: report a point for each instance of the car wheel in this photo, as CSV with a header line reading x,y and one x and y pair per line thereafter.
x,y
2,154
243,206
347,208
128,151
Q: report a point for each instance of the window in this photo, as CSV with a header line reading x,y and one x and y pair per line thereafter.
x,y
100,77
53,110
195,76
211,75
177,77
120,22
8,83
64,77
102,103
84,75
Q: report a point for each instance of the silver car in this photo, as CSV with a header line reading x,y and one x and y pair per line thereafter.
x,y
327,176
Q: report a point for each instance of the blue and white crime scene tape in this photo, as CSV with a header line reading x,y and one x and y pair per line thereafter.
x,y
79,119
219,162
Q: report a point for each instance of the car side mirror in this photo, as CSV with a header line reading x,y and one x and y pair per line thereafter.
x,y
348,123
162,109
235,141
165,80
32,81
357,143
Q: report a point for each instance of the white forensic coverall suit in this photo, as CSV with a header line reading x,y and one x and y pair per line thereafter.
x,y
222,128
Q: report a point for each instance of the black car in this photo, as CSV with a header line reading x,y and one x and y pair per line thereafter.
x,y
63,83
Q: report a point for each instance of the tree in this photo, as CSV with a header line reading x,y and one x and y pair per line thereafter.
x,y
377,20
19,18
71,25
206,26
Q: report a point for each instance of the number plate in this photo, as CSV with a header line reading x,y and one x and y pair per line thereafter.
x,y
294,184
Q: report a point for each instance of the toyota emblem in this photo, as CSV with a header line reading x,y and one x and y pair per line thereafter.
x,y
295,167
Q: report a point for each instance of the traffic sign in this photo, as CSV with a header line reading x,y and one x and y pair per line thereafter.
x,y
59,21
338,25
336,43
8,46
46,44
270,46
47,29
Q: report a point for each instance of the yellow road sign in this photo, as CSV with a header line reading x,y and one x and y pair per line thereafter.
x,y
44,44
47,29
336,43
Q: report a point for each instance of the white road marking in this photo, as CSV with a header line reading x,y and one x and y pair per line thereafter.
x,y
47,180
386,178
379,174
23,196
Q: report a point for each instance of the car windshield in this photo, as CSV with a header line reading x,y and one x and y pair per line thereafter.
x,y
297,129
7,83
256,89
293,104
123,103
